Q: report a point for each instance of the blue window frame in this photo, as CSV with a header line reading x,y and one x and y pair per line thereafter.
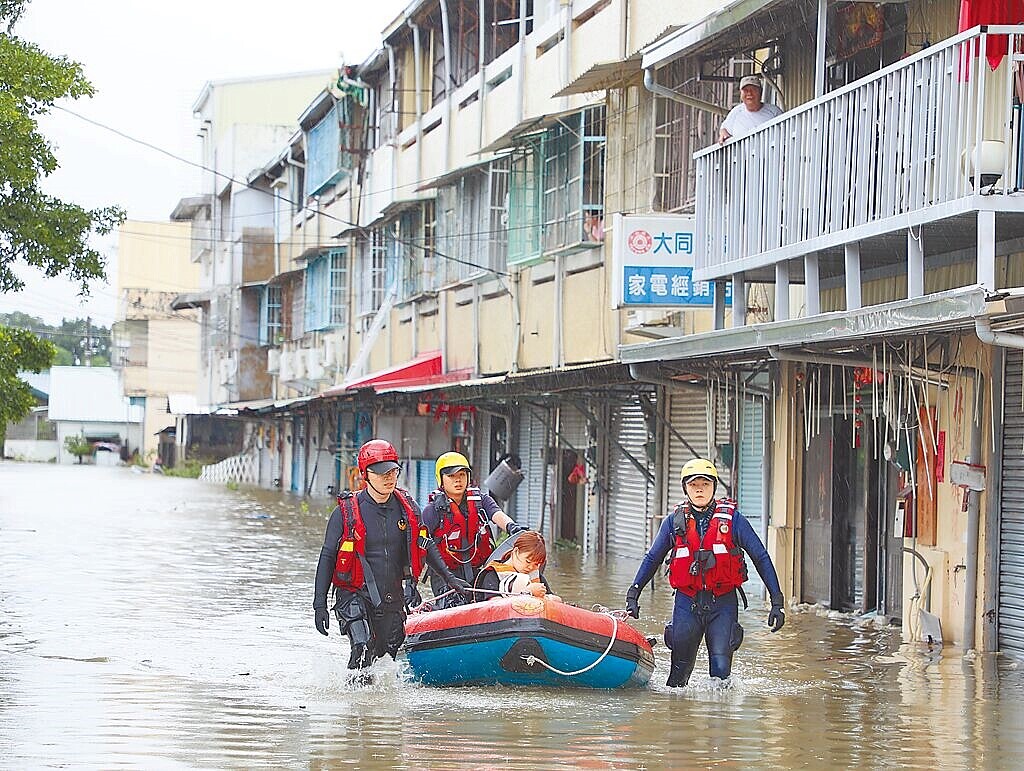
x,y
326,295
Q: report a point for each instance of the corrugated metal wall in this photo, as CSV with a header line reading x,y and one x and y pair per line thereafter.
x,y
1011,523
532,444
751,482
630,494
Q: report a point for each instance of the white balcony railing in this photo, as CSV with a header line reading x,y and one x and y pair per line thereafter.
x,y
887,152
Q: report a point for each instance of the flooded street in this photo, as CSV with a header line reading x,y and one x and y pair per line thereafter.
x,y
153,622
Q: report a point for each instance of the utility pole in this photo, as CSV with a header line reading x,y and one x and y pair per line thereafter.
x,y
88,341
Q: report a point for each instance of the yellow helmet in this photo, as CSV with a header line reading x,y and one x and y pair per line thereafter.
x,y
698,467
449,463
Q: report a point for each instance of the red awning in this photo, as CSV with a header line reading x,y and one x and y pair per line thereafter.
x,y
424,370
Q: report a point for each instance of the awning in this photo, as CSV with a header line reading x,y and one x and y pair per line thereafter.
x,y
529,126
451,176
187,208
425,368
184,404
710,27
188,300
605,75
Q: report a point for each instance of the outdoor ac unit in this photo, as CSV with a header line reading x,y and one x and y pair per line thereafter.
x,y
314,369
286,371
636,317
274,361
329,350
298,364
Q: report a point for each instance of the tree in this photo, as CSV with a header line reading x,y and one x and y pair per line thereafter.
x,y
78,446
20,351
35,228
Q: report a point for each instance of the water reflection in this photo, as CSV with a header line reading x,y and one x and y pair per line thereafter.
x,y
156,622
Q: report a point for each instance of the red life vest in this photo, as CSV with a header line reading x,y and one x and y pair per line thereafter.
x,y
725,572
463,539
348,568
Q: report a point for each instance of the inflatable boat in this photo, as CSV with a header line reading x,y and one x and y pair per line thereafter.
x,y
525,640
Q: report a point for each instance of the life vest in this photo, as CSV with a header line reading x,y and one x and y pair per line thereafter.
x,y
716,563
348,568
463,539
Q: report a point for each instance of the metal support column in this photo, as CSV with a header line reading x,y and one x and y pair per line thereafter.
x,y
812,284
853,277
719,303
739,300
782,290
987,250
915,263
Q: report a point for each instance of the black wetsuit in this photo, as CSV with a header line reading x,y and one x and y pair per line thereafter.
x,y
373,630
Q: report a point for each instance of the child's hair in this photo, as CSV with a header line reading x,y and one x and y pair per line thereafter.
x,y
531,545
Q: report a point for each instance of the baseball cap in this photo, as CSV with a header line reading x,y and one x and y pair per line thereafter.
x,y
750,80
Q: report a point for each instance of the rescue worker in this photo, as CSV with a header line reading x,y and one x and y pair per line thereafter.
x,y
374,543
457,517
515,567
706,538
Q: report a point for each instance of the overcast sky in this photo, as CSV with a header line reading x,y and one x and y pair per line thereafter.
x,y
148,62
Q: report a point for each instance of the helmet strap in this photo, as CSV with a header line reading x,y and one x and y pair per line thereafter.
x,y
370,485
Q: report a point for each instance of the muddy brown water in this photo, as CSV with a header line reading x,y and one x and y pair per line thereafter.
x,y
152,622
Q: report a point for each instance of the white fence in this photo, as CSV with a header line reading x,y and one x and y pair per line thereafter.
x,y
240,469
859,160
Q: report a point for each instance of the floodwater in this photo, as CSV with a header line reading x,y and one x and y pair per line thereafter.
x,y
153,622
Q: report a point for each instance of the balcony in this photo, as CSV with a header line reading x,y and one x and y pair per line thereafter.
x,y
874,178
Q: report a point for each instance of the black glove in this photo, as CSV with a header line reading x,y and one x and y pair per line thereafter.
x,y
460,586
776,618
633,601
411,594
323,620
514,527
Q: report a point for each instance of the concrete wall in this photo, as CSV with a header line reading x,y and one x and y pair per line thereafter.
x,y
38,450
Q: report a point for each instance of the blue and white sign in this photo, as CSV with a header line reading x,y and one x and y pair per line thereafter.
x,y
646,285
654,259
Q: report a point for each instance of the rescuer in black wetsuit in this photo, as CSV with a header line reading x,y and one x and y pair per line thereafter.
x,y
374,544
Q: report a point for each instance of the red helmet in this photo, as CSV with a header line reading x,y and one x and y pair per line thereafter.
x,y
375,451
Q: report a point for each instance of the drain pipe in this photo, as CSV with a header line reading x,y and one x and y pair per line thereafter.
x,y
654,87
417,69
931,378
446,41
983,328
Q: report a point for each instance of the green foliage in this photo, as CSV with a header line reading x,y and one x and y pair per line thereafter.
x,y
72,337
190,468
38,229
20,351
232,484
78,446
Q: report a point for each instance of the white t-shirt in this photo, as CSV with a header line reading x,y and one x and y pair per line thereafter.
x,y
740,121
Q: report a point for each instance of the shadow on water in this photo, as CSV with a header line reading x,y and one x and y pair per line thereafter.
x,y
158,622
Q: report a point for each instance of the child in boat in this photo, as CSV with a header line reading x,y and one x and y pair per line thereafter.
x,y
515,567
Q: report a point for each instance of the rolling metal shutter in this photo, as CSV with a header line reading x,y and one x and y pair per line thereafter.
x,y
630,495
1011,520
533,441
572,428
750,485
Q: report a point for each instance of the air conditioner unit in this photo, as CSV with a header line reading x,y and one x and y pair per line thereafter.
x,y
273,360
286,371
314,369
329,350
636,317
298,364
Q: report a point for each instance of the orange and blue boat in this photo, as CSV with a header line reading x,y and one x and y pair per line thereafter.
x,y
525,640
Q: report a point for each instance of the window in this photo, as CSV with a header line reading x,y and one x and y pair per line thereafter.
x,y
377,269
271,317
416,247
326,292
556,197
332,144
472,221
503,29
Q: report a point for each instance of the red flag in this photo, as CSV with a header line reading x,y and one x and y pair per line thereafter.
x,y
975,12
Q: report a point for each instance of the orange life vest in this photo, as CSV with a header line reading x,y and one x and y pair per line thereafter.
x,y
715,563
464,539
348,568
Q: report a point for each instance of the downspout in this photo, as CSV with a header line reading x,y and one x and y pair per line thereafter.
x,y
983,328
449,80
566,47
417,70
556,330
391,86
521,75
517,319
481,50
931,378
651,84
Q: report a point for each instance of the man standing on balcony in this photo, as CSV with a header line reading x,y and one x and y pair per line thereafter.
x,y
749,114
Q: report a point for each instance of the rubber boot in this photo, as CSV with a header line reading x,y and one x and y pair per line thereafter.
x,y
680,671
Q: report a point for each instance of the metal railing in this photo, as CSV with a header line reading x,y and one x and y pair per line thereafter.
x,y
240,469
899,142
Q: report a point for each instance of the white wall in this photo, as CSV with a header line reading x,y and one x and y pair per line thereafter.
x,y
31,449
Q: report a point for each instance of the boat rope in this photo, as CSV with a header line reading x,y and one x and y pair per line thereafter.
x,y
428,605
531,660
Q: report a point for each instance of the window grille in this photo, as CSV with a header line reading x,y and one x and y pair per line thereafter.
x,y
472,223
326,295
271,316
416,250
332,144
